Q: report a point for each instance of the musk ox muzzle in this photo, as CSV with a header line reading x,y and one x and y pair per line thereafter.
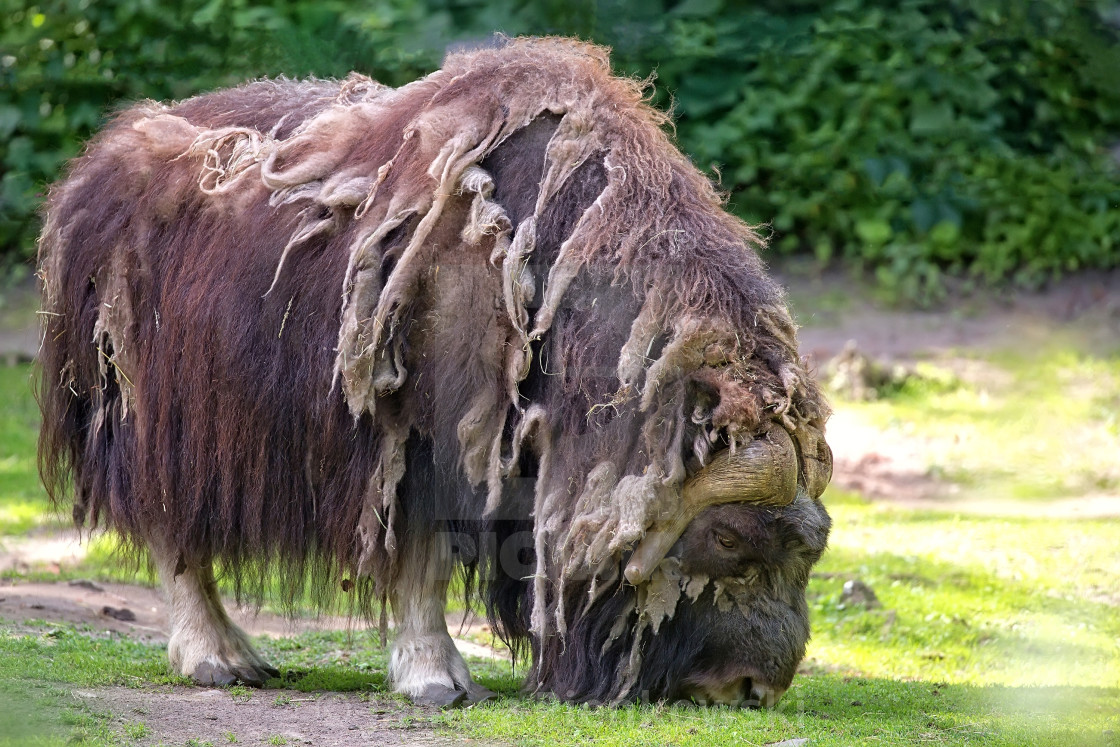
x,y
749,525
359,339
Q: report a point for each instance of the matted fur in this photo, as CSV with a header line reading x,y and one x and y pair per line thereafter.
x,y
290,323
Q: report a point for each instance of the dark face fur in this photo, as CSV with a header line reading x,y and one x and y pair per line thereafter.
x,y
751,647
740,640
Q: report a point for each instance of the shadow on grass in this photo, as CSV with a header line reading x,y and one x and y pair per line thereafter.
x,y
857,709
31,713
828,710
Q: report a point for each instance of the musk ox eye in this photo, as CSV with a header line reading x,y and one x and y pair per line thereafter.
x,y
725,541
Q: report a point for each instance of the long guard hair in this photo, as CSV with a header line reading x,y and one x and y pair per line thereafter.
x,y
288,322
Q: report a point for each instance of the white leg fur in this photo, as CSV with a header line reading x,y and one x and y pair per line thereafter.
x,y
424,664
205,645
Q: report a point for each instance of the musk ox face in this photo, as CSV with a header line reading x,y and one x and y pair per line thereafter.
x,y
491,320
753,619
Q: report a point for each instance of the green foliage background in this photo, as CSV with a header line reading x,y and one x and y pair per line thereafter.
x,y
910,138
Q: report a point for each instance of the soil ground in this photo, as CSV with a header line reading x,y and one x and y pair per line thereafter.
x,y
1084,310
209,715
1081,312
173,715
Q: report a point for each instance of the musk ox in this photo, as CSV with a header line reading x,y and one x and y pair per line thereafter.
x,y
360,338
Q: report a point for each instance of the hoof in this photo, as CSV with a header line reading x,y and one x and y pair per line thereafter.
x,y
440,697
209,675
479,694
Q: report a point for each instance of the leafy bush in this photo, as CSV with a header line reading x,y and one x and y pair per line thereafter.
x,y
908,138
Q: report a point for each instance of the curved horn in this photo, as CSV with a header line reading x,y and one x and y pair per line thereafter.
x,y
765,472
816,459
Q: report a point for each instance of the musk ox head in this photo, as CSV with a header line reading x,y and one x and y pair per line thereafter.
x,y
542,326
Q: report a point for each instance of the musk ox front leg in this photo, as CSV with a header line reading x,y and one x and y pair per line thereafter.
x,y
425,665
205,645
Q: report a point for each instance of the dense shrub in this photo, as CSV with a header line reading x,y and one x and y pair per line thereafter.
x,y
909,138
913,137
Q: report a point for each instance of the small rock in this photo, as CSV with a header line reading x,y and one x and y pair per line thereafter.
x,y
857,376
86,584
799,742
858,594
122,613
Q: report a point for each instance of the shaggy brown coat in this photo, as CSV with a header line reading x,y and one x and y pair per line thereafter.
x,y
273,314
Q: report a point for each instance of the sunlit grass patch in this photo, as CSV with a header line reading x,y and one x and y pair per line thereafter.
x,y
19,516
971,600
1039,424
31,714
23,502
830,710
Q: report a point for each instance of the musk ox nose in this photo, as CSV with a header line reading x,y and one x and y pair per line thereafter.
x,y
740,692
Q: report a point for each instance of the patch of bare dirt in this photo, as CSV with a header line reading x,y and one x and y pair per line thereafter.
x,y
174,715
880,468
893,466
1082,309
137,611
42,549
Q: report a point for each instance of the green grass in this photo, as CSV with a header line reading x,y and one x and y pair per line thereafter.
x,y
39,664
992,631
1041,425
23,502
975,600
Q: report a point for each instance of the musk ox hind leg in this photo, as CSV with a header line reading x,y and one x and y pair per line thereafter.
x,y
205,644
424,663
